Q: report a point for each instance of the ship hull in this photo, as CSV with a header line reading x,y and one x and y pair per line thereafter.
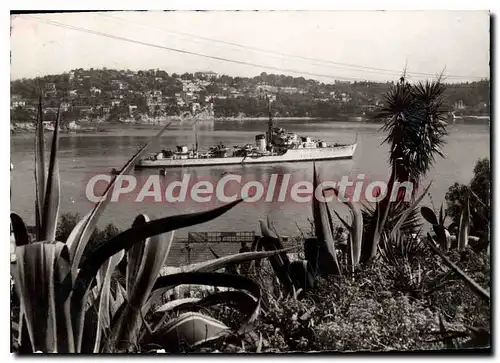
x,y
294,155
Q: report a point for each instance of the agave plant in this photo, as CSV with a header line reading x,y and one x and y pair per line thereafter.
x,y
442,232
70,302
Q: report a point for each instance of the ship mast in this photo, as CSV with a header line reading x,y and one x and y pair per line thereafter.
x,y
196,135
270,126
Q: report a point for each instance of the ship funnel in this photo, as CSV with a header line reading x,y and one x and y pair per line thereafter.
x,y
260,141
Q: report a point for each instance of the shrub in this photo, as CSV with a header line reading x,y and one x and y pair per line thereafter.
x,y
480,207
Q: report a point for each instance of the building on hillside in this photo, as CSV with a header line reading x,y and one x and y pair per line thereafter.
x,y
85,110
266,88
17,101
132,109
345,97
289,90
206,75
459,105
49,86
95,90
73,126
116,83
65,106
115,102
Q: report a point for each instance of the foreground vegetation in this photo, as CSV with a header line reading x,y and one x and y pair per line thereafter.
x,y
389,288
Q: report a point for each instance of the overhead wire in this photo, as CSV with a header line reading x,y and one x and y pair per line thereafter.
x,y
359,68
183,51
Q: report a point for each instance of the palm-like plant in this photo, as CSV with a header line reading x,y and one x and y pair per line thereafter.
x,y
415,121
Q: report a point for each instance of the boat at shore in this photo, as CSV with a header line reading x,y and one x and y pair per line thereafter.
x,y
275,146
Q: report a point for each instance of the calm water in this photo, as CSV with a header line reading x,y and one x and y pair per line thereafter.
x,y
82,156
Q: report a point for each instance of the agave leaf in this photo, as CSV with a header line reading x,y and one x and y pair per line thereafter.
x,y
404,216
128,238
323,226
176,304
382,214
259,344
272,227
121,295
240,300
40,273
482,293
39,170
442,216
429,215
127,328
104,317
266,230
192,329
280,263
217,264
213,252
19,228
356,231
463,232
343,221
168,282
135,256
50,210
302,275
271,241
82,235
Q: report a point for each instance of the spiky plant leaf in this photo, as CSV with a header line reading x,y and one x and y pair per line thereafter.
x,y
241,300
82,234
124,241
135,256
463,232
105,299
19,228
154,255
128,238
323,227
168,282
177,304
356,230
409,209
414,119
41,275
191,329
39,170
50,212
442,216
429,215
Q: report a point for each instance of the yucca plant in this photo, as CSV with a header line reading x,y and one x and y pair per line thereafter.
x,y
415,121
70,303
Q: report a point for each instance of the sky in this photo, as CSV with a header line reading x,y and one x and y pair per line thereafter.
x,y
322,45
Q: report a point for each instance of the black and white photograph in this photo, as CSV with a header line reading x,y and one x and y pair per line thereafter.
x,y
253,181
